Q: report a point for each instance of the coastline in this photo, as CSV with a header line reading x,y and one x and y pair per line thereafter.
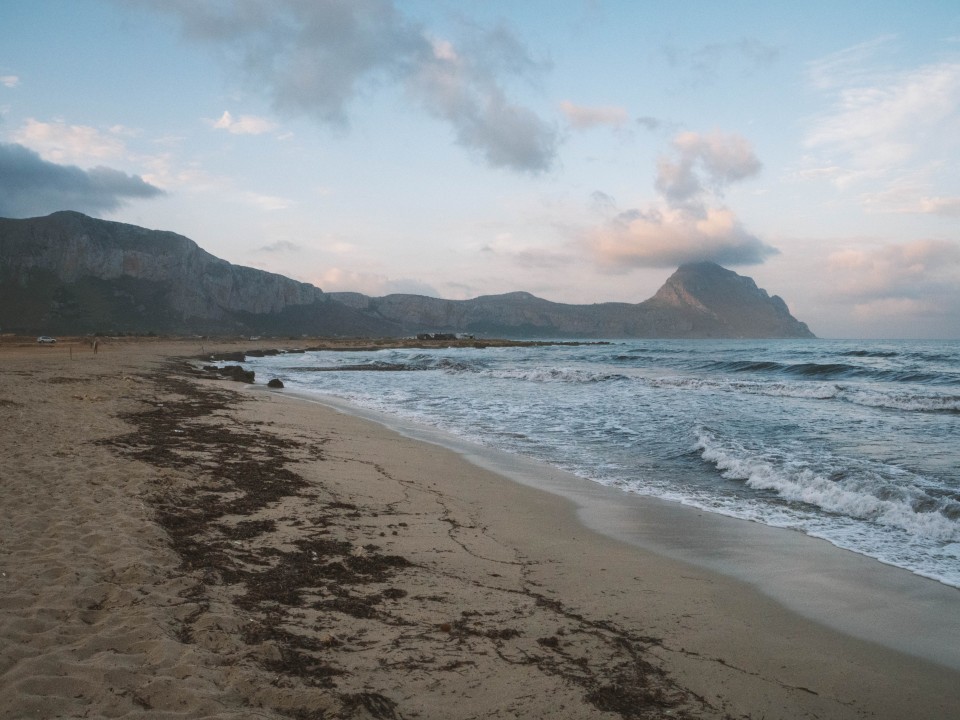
x,y
852,593
140,574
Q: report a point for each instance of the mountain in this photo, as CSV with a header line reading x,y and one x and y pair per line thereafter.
x,y
68,273
700,300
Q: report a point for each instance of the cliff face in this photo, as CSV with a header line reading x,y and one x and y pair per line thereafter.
x,y
70,273
73,246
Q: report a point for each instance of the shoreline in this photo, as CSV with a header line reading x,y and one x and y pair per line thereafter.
x,y
854,593
174,546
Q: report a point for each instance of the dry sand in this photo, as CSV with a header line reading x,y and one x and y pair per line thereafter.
x,y
173,546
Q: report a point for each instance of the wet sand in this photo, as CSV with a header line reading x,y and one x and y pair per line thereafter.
x,y
179,546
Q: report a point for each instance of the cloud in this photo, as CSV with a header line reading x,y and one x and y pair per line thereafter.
x,y
879,125
907,195
940,206
281,246
243,125
267,202
601,202
9,81
649,122
899,290
884,128
31,186
315,58
703,164
685,224
528,256
456,88
894,309
59,142
582,117
909,270
705,63
849,66
672,237
373,284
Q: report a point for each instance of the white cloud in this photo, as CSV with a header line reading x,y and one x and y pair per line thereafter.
x,y
885,128
281,246
671,237
243,125
125,131
916,269
940,206
165,171
372,284
882,124
9,81
79,144
907,196
849,66
268,202
583,117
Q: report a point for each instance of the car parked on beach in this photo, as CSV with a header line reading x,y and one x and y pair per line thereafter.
x,y
46,340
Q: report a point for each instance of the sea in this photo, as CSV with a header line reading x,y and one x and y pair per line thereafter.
x,y
854,442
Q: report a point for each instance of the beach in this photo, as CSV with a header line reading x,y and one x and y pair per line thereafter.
x,y
175,545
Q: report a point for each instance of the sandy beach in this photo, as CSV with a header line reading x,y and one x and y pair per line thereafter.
x,y
178,546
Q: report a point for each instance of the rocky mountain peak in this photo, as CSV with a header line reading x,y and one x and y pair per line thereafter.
x,y
733,301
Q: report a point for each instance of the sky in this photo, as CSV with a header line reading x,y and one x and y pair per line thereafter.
x,y
579,150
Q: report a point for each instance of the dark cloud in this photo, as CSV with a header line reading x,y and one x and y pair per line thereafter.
x,y
649,122
602,203
31,186
314,58
703,65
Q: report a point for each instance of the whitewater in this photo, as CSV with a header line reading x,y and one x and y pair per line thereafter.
x,y
854,442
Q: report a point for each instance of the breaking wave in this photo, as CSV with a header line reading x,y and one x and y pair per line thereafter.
x,y
863,494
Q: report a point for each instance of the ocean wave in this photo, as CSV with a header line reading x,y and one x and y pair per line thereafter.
x,y
861,494
769,389
832,371
413,364
553,375
908,401
375,366
745,366
870,353
810,370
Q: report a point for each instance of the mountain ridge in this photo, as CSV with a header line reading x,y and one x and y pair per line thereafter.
x,y
69,273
